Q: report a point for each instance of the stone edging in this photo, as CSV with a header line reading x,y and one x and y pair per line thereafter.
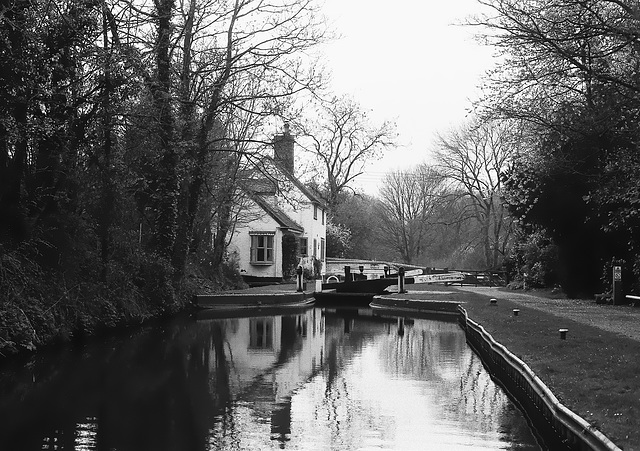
x,y
549,417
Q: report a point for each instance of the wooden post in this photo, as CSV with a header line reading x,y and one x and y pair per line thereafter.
x,y
347,274
401,280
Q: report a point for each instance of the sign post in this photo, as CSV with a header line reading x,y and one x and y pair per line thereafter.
x,y
618,295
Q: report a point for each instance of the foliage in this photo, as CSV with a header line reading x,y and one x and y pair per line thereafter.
x,y
582,126
338,240
352,230
534,261
289,255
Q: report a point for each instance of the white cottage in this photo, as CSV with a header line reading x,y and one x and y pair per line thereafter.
x,y
288,221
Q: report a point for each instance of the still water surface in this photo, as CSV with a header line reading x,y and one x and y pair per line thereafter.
x,y
314,380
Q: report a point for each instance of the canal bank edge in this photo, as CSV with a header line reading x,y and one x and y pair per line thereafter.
x,y
232,301
392,303
549,417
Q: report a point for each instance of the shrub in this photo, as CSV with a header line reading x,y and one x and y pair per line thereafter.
x,y
289,255
154,279
534,261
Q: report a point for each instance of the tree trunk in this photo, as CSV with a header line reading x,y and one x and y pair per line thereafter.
x,y
108,196
165,195
191,182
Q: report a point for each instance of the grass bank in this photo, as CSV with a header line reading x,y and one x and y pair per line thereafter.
x,y
594,372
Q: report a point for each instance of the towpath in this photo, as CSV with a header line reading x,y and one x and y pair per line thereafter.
x,y
621,319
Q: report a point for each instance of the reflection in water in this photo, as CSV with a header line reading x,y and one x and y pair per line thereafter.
x,y
311,380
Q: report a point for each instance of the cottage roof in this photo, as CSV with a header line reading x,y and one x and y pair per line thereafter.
x,y
301,186
265,181
277,214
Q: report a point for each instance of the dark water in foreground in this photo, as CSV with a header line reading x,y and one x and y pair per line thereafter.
x,y
315,380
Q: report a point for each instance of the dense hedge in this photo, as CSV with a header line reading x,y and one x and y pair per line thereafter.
x,y
40,307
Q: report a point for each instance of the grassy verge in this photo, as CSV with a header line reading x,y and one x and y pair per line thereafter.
x,y
593,372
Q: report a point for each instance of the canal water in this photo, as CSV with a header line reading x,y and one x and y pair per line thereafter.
x,y
311,380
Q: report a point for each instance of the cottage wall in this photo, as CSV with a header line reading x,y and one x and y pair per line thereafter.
x,y
315,226
241,246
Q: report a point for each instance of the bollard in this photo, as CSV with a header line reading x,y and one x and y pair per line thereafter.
x,y
563,333
347,274
386,271
401,280
299,287
516,312
493,301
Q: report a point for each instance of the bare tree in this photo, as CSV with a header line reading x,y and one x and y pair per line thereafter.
x,y
216,63
472,158
409,203
342,139
555,54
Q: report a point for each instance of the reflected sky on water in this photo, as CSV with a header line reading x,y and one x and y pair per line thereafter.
x,y
313,380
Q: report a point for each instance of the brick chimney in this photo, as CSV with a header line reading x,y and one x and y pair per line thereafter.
x,y
283,145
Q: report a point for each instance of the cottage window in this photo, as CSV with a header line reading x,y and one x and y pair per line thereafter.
x,y
304,247
262,249
322,217
315,247
322,248
315,212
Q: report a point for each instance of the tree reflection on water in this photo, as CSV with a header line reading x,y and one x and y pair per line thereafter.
x,y
316,379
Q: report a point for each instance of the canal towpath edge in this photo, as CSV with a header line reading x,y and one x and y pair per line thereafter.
x,y
594,371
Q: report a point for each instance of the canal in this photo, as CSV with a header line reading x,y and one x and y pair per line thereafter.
x,y
316,379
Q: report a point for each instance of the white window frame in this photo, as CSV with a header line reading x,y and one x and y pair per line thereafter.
x,y
262,246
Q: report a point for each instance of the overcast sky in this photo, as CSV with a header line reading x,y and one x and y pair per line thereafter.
x,y
407,61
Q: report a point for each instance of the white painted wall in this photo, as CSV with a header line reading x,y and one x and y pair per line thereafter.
x,y
313,228
241,245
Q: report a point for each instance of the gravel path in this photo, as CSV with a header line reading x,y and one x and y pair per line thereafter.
x,y
621,319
